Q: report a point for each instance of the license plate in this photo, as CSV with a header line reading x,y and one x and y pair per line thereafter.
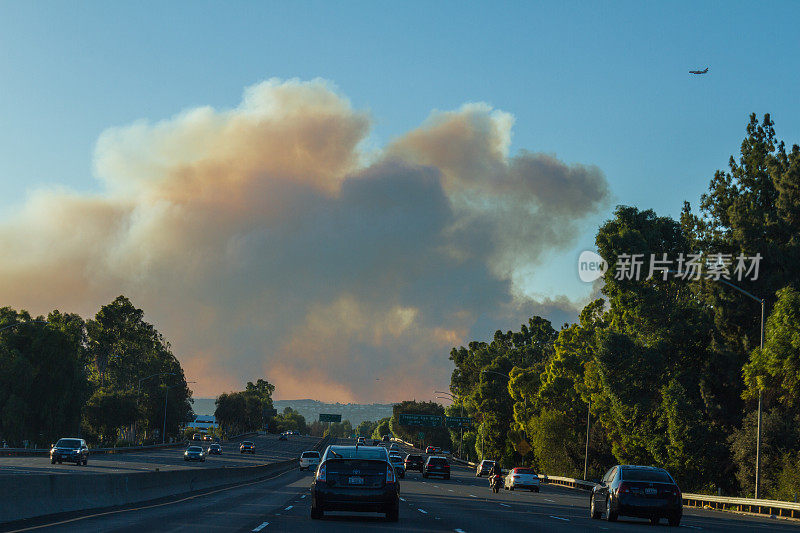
x,y
651,492
355,480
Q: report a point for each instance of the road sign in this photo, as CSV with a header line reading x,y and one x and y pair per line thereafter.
x,y
458,421
429,421
329,418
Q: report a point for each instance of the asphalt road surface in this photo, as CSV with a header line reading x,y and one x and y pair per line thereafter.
x,y
462,504
268,449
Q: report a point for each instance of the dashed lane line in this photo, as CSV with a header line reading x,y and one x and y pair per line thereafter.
x,y
423,511
559,518
288,508
261,526
459,530
505,505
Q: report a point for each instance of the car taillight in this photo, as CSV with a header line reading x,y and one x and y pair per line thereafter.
x,y
389,474
623,489
321,474
447,467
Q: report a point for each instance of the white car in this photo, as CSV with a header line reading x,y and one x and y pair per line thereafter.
x,y
309,460
522,478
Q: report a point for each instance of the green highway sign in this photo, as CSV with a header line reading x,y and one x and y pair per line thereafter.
x,y
329,418
458,421
429,421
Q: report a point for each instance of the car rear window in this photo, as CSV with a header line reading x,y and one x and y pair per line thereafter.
x,y
247,443
645,474
437,461
413,457
68,443
524,471
349,452
311,454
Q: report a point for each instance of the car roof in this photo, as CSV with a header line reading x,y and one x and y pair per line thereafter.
x,y
437,457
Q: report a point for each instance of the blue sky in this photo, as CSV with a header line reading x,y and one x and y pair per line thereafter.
x,y
593,83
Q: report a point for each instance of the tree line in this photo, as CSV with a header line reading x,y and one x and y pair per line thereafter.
x,y
669,371
105,379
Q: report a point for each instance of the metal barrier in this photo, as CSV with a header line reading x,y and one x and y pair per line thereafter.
x,y
704,501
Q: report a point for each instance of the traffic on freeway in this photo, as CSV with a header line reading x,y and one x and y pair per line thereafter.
x,y
463,503
267,448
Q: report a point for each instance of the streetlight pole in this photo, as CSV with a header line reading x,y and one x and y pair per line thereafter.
x,y
138,392
166,396
758,428
461,439
586,455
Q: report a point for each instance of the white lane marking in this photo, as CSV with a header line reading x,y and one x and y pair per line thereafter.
x,y
472,496
459,530
288,507
402,499
693,527
423,511
505,505
261,526
559,518
548,500
303,496
450,490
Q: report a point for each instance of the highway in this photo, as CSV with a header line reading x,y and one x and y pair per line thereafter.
x,y
462,504
268,449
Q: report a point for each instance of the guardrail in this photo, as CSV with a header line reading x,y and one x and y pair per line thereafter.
x,y
704,501
36,452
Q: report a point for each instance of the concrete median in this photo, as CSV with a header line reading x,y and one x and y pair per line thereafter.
x,y
31,496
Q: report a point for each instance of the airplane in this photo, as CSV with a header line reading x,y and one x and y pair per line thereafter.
x,y
698,71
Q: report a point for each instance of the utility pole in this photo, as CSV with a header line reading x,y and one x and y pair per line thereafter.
x,y
758,430
586,455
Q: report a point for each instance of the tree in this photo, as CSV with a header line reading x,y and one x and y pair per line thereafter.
x,y
366,428
42,382
107,411
382,428
291,420
776,369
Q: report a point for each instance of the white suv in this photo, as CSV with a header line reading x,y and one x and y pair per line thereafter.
x,y
309,460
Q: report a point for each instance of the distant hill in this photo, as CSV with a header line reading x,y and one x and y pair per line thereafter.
x,y
310,409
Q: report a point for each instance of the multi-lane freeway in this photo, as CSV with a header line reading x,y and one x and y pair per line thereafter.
x,y
462,504
268,449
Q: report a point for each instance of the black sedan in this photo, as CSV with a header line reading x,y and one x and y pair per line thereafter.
x,y
214,449
414,462
641,491
359,479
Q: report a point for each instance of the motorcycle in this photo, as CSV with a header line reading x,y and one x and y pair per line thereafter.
x,y
495,481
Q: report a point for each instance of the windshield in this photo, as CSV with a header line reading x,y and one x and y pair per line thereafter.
x,y
194,449
68,443
348,452
645,474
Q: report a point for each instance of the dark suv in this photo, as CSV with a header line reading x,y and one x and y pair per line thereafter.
x,y
413,462
436,466
355,478
72,450
642,491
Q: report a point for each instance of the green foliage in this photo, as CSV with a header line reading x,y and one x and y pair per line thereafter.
x,y
366,428
382,428
107,411
776,369
291,420
42,383
343,429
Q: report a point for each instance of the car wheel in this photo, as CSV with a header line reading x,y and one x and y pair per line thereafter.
x,y
594,513
447,477
654,520
610,515
52,461
511,488
59,462
674,520
316,513
424,475
393,514
85,462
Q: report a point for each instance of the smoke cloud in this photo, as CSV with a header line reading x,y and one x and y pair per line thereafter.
x,y
266,241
